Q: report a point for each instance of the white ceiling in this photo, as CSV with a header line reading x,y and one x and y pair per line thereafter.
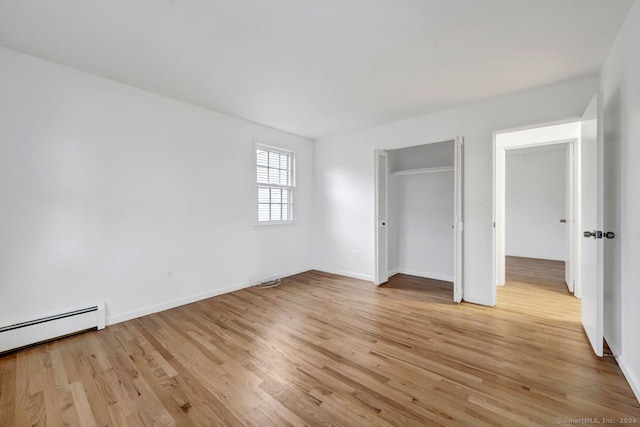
x,y
320,67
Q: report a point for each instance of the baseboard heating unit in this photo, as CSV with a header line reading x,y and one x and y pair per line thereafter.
x,y
45,328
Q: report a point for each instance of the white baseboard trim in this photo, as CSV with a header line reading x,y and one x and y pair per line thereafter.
x,y
632,379
133,314
351,274
280,276
425,274
630,376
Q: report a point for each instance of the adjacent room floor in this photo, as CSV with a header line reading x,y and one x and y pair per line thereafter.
x,y
324,349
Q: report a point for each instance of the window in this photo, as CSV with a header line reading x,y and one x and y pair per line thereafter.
x,y
274,178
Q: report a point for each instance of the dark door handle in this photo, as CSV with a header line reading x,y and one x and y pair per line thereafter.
x,y
384,223
610,235
595,234
562,220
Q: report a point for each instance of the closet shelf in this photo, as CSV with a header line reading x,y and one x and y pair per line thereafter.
x,y
423,170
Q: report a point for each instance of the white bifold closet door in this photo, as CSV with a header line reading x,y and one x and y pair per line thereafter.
x,y
382,189
458,227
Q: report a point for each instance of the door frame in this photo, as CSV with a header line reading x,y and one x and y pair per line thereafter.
x,y
564,132
458,219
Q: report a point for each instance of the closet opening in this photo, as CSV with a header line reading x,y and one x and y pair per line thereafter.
x,y
419,212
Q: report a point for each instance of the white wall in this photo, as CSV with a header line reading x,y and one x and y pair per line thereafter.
x,y
344,167
106,188
535,202
620,82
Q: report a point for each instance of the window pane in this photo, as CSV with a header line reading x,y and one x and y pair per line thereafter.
x,y
284,161
275,195
262,175
262,157
274,176
285,212
276,213
263,212
274,160
285,195
284,177
263,195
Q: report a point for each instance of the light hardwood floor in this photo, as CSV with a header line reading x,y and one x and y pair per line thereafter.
x,y
328,350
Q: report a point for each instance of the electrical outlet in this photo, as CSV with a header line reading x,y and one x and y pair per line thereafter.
x,y
356,254
169,276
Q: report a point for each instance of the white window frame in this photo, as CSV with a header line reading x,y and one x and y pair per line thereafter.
x,y
290,187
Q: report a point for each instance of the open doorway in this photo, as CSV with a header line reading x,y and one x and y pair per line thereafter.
x,y
586,227
539,214
545,236
419,212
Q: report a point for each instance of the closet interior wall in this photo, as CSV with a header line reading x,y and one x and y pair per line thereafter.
x,y
421,210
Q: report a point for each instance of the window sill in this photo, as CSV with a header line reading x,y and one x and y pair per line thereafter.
x,y
274,223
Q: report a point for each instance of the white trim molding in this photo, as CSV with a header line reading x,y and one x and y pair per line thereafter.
x,y
121,317
367,277
632,379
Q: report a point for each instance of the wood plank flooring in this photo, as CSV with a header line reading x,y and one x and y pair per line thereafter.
x,y
327,350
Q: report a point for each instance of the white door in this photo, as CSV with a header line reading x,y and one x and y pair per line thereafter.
x,y
382,168
592,198
458,228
